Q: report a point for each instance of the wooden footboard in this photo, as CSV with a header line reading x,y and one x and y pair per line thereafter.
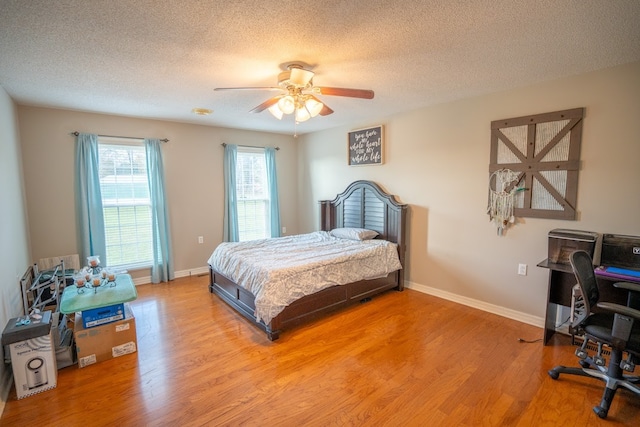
x,y
305,309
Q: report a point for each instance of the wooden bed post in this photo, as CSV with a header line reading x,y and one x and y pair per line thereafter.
x,y
327,219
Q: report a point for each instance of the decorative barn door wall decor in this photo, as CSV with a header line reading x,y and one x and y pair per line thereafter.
x,y
544,151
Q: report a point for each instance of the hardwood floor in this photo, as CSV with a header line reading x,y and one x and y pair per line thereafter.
x,y
403,359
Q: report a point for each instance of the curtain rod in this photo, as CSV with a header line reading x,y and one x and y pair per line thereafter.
x,y
76,133
224,144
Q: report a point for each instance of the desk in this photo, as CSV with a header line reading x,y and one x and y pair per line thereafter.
x,y
105,295
561,282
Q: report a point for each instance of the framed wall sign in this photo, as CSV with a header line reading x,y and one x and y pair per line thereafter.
x,y
365,146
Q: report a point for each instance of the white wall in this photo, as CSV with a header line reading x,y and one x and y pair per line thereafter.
x,y
14,236
193,174
437,159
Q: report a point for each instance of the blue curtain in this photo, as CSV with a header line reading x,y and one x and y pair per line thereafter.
x,y
90,217
274,207
162,268
231,232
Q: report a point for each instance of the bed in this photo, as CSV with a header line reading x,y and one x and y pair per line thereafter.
x,y
363,205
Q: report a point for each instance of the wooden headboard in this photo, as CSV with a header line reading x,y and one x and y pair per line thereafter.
x,y
365,205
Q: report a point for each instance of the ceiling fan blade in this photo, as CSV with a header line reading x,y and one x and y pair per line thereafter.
x,y
325,110
247,88
341,91
266,104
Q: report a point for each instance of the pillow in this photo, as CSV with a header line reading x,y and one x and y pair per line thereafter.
x,y
353,233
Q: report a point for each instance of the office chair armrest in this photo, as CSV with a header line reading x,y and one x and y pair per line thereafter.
x,y
619,309
633,287
633,297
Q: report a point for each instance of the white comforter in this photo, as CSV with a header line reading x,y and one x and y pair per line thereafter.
x,y
281,270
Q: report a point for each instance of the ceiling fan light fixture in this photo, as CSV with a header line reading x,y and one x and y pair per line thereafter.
x,y
302,115
313,106
300,77
276,111
287,104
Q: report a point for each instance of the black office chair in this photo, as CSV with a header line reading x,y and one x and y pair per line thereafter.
x,y
614,325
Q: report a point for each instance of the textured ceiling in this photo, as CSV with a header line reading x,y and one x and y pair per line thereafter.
x,y
161,58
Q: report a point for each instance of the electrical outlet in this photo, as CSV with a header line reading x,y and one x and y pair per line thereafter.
x,y
522,269
200,239
284,230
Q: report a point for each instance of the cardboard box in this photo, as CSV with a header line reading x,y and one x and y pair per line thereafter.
x,y
33,355
105,342
102,315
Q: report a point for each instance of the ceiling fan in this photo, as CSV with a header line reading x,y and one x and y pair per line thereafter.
x,y
299,95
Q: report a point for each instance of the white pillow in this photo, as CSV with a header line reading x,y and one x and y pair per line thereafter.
x,y
353,233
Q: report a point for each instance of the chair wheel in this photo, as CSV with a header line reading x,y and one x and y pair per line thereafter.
x,y
553,374
600,411
625,365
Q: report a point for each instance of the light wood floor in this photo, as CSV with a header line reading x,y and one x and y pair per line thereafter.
x,y
403,359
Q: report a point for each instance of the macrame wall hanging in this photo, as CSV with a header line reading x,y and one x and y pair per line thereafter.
x,y
502,192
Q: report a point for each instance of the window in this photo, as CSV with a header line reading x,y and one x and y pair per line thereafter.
x,y
252,194
126,204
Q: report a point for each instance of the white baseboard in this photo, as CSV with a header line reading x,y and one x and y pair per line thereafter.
x,y
143,280
193,272
480,305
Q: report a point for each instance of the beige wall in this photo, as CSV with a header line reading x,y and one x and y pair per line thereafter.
x,y
193,172
437,159
14,235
